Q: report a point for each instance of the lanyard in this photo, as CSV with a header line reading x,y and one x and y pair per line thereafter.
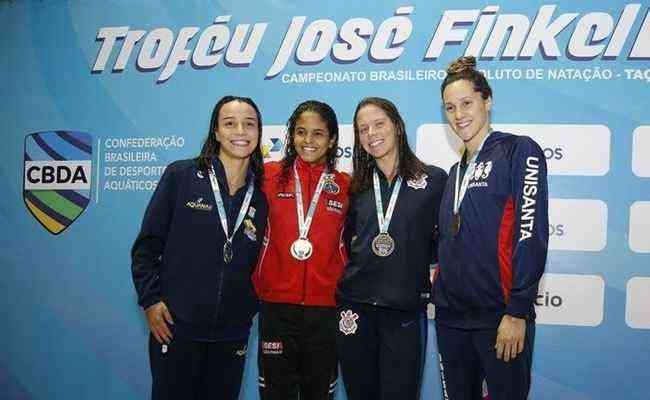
x,y
459,193
222,212
305,223
384,221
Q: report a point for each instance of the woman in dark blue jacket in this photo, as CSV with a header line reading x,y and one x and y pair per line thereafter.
x,y
493,245
193,258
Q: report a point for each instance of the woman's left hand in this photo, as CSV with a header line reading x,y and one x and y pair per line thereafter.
x,y
510,337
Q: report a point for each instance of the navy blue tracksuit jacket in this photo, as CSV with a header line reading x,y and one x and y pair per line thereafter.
x,y
494,264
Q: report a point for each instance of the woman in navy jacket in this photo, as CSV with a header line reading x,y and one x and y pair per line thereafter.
x,y
385,287
193,259
493,244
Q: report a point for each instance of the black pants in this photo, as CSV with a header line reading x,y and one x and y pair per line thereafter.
x,y
191,370
381,352
468,356
297,352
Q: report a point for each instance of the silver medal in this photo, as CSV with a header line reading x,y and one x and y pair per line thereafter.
x,y
216,190
383,245
301,249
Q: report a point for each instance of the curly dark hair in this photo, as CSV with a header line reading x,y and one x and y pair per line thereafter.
x,y
211,145
409,166
328,115
464,68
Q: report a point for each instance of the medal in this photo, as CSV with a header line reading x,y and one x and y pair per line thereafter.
x,y
461,188
383,244
227,252
301,249
455,224
227,247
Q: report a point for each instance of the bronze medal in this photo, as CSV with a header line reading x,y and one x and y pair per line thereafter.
x,y
455,224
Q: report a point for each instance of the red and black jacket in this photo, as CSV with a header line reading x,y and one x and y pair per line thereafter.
x,y
279,277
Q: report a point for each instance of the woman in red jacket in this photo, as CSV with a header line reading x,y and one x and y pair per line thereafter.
x,y
302,260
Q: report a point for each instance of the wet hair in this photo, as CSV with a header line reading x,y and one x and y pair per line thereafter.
x,y
464,68
328,116
409,166
211,145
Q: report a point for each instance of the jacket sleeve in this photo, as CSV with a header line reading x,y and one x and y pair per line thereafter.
x,y
440,180
530,239
349,228
147,251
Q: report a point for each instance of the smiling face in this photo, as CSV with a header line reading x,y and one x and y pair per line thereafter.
x,y
312,138
467,112
237,130
377,133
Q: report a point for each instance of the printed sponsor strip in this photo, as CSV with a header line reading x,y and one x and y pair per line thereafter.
x,y
563,146
637,299
640,151
568,299
577,224
639,239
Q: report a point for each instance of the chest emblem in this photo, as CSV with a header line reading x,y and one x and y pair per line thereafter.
x,y
330,186
348,323
419,183
480,174
249,230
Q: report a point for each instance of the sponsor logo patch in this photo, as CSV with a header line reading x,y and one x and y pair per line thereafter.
x,y
284,195
272,347
335,206
198,204
348,323
57,177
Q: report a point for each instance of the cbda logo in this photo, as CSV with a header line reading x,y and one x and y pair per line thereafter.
x,y
57,177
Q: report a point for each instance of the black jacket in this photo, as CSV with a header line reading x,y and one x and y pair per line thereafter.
x,y
178,255
401,280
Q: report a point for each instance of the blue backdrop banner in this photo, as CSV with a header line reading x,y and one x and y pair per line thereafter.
x,y
99,97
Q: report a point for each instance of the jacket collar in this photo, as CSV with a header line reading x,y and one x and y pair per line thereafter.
x,y
220,172
305,167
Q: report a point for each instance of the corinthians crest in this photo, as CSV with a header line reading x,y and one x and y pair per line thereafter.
x,y
348,323
419,183
57,177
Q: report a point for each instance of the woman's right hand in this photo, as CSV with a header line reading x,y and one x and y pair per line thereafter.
x,y
158,317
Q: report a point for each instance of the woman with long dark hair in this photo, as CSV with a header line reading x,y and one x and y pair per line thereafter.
x,y
383,293
302,260
193,259
493,245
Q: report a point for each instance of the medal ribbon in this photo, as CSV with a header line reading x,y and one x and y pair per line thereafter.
x,y
384,221
222,211
305,223
459,193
